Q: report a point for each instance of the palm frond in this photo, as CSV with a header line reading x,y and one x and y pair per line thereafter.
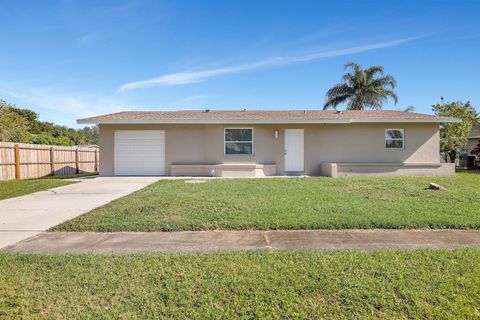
x,y
355,104
392,94
355,66
337,94
372,71
333,103
348,77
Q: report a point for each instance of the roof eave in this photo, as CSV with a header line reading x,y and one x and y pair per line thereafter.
x,y
320,121
196,121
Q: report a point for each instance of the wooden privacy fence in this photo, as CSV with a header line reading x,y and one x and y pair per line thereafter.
x,y
29,161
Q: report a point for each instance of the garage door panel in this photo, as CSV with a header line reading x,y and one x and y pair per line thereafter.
x,y
139,152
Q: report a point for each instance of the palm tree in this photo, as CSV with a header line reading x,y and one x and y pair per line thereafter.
x,y
363,89
408,109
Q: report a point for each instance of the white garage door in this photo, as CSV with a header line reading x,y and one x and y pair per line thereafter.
x,y
139,152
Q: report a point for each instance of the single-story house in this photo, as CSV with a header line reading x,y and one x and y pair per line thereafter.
x,y
269,143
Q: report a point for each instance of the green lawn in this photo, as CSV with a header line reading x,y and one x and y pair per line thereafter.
x,y
425,284
15,188
297,203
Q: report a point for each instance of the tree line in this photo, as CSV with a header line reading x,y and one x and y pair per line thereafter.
x,y
22,125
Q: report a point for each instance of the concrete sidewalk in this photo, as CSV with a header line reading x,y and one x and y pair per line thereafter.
x,y
28,215
212,241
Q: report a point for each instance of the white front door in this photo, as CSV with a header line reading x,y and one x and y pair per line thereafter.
x,y
139,153
294,150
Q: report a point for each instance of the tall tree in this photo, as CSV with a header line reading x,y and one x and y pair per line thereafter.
x,y
454,136
13,127
362,89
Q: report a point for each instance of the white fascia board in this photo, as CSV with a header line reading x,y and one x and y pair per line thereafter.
x,y
81,121
325,121
400,120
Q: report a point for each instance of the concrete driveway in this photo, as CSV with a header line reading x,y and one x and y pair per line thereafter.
x,y
28,215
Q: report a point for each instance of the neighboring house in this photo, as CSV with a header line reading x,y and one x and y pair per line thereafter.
x,y
268,143
473,138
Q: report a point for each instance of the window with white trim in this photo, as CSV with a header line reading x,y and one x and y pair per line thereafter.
x,y
394,139
238,141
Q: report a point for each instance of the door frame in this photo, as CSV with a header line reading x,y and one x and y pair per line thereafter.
x,y
301,162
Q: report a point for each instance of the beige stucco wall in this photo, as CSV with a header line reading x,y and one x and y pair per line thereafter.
x,y
387,169
203,144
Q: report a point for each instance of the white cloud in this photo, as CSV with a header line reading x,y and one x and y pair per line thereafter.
x,y
64,108
188,77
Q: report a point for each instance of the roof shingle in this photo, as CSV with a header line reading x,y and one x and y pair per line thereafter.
x,y
259,116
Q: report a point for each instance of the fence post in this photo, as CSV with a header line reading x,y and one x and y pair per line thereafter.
x,y
52,161
95,168
17,161
77,169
